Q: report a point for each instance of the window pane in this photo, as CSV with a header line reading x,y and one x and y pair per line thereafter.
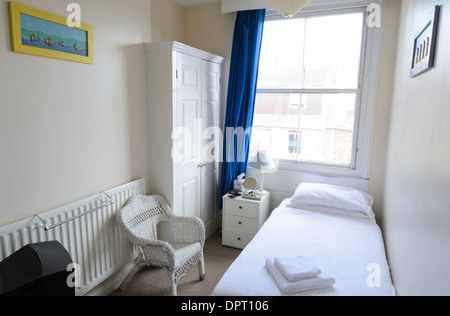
x,y
294,145
333,51
320,130
326,124
276,117
281,61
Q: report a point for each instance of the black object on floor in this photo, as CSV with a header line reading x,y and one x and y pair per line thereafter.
x,y
37,270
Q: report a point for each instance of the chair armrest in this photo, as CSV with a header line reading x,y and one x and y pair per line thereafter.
x,y
158,253
189,229
143,242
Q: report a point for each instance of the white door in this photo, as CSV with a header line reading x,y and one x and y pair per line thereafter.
x,y
188,112
211,142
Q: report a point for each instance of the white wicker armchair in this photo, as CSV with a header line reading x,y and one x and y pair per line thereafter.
x,y
139,218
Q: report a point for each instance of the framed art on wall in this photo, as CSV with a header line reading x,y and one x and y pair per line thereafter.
x,y
40,33
425,45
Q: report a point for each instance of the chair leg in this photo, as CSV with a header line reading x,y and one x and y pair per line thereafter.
x,y
201,269
174,289
174,283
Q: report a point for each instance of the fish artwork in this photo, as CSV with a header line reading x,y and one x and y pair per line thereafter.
x,y
34,38
63,44
49,41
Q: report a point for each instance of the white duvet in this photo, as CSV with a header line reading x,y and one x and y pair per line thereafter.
x,y
349,249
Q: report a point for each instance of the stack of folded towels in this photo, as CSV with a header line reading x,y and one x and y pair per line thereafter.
x,y
298,274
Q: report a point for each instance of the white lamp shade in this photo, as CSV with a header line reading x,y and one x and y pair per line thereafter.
x,y
263,162
288,8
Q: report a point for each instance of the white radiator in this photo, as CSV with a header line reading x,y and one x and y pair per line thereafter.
x,y
94,241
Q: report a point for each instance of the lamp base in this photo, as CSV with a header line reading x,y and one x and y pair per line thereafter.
x,y
260,192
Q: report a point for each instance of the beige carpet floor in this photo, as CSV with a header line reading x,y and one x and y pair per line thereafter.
x,y
153,281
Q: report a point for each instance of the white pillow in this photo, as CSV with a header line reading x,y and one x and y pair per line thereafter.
x,y
352,201
331,210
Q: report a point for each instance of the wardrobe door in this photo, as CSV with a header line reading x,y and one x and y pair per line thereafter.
x,y
186,136
211,142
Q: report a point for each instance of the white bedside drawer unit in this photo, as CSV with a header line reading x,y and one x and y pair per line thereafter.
x,y
242,219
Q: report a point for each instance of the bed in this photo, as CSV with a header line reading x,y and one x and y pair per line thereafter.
x,y
339,237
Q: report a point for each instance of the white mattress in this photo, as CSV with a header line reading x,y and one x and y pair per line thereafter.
x,y
349,249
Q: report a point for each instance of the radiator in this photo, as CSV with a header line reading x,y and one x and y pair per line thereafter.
x,y
95,242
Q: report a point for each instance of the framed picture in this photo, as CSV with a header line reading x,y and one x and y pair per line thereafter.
x,y
425,45
40,33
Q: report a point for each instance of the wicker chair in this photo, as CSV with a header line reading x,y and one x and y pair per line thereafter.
x,y
139,218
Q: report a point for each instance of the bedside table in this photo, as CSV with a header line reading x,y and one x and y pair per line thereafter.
x,y
242,219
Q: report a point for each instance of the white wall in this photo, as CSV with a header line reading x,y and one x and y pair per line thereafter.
x,y
70,130
167,21
417,199
383,105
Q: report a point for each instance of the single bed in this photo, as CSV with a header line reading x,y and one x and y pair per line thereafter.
x,y
345,244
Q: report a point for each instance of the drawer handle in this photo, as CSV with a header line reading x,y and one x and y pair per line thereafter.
x,y
240,223
240,207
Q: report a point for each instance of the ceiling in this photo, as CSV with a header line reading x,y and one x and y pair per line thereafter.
x,y
193,3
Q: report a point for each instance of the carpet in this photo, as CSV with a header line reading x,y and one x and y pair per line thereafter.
x,y
153,281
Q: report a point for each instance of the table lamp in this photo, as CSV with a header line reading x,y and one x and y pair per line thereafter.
x,y
265,164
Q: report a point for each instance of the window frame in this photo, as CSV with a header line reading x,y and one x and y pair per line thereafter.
x,y
365,94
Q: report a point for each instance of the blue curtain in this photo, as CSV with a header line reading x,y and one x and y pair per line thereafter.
x,y
247,40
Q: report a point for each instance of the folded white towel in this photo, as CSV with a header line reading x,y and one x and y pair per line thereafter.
x,y
323,281
297,268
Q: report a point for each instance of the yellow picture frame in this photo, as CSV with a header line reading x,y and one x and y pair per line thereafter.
x,y
40,33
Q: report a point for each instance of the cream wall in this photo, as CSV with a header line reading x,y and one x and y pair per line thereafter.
x,y
167,21
208,29
383,104
70,130
417,199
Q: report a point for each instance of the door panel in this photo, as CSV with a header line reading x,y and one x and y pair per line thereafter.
x,y
188,116
190,77
209,194
211,94
190,197
188,112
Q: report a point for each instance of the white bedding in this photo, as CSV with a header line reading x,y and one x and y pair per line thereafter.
x,y
349,249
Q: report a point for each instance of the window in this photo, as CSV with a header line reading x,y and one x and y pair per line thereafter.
x,y
309,97
294,143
